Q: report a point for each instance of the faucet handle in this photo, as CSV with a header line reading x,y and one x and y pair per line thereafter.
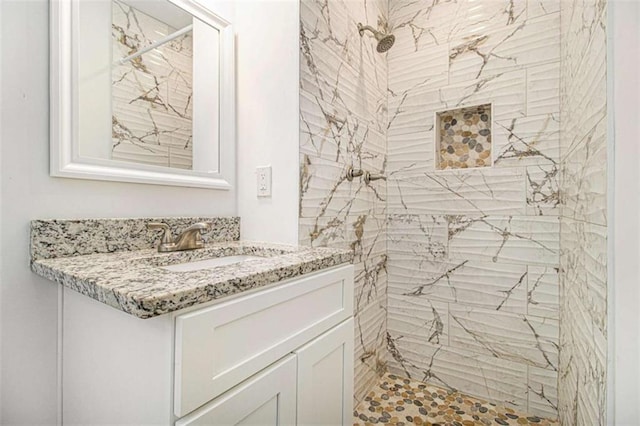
x,y
201,226
368,177
167,238
199,229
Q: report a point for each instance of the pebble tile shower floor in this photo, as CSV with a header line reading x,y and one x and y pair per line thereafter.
x,y
398,401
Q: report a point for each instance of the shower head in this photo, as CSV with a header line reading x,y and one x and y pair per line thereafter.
x,y
385,41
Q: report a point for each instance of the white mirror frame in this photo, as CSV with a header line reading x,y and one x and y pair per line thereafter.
x,y
65,160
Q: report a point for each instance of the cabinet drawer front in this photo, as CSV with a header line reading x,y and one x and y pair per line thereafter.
x,y
218,347
268,399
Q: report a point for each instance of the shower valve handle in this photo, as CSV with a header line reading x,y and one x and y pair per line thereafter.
x,y
368,177
354,173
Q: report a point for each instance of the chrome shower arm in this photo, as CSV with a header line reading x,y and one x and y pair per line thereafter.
x,y
362,28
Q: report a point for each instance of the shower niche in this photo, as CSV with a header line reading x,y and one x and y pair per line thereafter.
x,y
463,137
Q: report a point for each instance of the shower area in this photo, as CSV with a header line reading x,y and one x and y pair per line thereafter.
x,y
459,148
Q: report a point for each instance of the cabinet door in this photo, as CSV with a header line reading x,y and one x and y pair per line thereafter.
x,y
325,378
266,399
220,346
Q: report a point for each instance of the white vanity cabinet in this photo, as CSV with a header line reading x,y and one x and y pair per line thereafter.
x,y
278,355
268,398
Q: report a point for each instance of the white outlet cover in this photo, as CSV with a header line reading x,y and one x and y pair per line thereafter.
x,y
264,181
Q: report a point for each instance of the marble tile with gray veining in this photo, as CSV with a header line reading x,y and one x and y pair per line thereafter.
x,y
370,356
343,125
486,191
152,108
582,384
542,391
543,291
455,369
499,287
518,338
583,177
482,246
514,239
543,190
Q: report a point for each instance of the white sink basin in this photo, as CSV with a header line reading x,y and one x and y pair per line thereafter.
x,y
209,263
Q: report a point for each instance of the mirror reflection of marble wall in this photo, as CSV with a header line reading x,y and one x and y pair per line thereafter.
x,y
151,107
158,109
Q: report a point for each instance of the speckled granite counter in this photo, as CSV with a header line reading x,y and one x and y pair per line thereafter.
x,y
133,281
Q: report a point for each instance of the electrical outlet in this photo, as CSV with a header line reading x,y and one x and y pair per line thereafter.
x,y
264,181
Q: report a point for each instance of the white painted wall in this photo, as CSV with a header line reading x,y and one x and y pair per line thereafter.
x,y
28,304
94,75
267,64
267,87
624,300
1,221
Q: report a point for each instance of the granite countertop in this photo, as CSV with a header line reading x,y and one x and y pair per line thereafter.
x,y
134,282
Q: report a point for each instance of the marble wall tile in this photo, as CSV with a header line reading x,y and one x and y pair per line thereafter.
x,y
583,290
505,91
583,73
326,191
422,237
327,131
370,357
525,141
498,50
584,180
521,240
431,70
543,88
453,368
481,250
542,385
424,24
367,239
584,267
496,287
543,190
582,374
517,338
323,232
458,192
152,94
420,319
411,154
542,7
543,291
337,65
335,134
412,110
495,261
343,123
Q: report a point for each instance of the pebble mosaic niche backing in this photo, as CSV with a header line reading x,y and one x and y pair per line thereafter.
x,y
464,138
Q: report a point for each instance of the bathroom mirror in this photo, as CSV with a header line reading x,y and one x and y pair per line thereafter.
x,y
142,91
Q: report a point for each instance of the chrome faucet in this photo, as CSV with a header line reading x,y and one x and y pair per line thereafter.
x,y
189,239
